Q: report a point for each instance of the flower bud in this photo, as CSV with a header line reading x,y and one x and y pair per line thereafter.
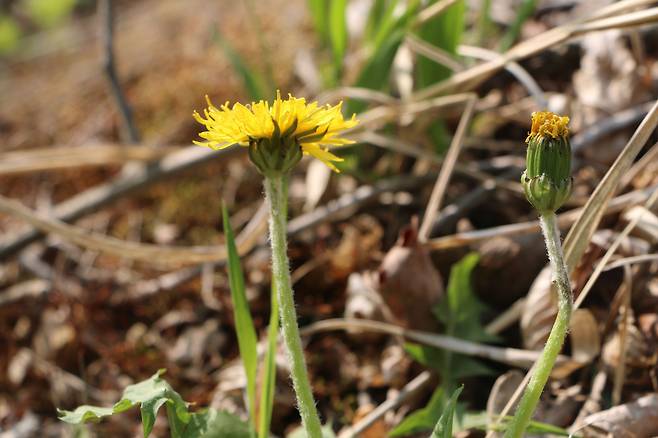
x,y
547,178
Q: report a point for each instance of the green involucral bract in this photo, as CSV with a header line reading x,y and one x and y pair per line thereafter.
x,y
547,178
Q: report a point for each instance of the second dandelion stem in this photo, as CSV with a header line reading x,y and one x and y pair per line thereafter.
x,y
555,340
276,191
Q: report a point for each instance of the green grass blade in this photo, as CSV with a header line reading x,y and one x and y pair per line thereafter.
x,y
269,381
443,428
525,11
375,17
252,80
389,23
318,9
376,71
338,33
444,31
264,50
244,326
485,24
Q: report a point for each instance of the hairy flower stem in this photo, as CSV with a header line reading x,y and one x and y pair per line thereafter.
x,y
555,340
276,191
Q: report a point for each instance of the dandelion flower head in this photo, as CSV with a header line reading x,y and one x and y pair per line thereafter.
x,y
285,123
548,124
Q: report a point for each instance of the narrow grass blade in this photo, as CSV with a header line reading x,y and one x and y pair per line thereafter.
x,y
252,80
582,230
376,71
244,325
318,9
443,428
269,381
525,11
485,24
444,31
338,33
375,17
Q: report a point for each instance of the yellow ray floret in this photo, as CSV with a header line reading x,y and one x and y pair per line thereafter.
x,y
546,123
314,128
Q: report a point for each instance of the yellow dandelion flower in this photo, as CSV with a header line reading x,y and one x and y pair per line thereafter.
x,y
546,123
277,135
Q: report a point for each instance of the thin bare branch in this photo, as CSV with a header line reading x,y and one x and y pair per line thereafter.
x,y
101,195
411,388
510,356
446,171
513,68
564,220
106,13
56,158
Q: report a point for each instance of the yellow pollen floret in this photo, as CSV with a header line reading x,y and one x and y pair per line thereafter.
x,y
546,123
313,127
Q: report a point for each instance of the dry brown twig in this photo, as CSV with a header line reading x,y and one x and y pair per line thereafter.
x,y
564,220
56,158
510,356
470,78
106,13
441,183
411,388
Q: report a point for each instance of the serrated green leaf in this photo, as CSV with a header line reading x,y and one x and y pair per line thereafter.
x,y
443,428
269,381
216,424
84,414
244,325
149,410
150,395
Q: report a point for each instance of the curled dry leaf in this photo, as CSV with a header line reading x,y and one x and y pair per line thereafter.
x,y
647,225
317,180
409,283
378,429
553,410
508,265
364,302
541,306
502,391
359,240
606,82
584,335
631,420
539,312
636,349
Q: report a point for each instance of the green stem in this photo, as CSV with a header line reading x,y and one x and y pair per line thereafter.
x,y
555,340
276,191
